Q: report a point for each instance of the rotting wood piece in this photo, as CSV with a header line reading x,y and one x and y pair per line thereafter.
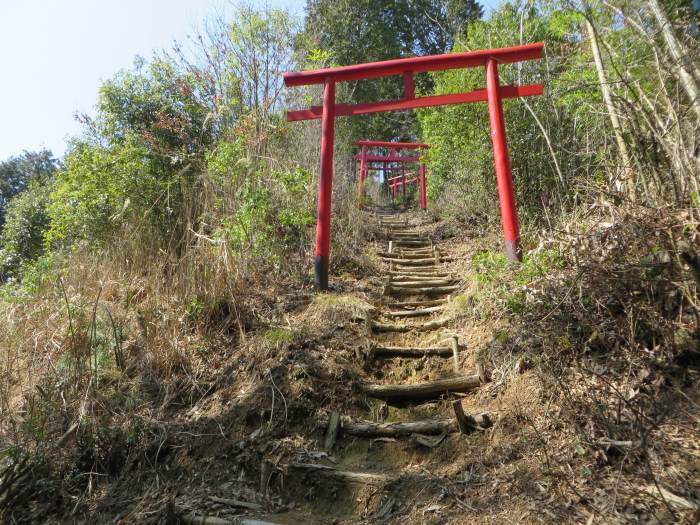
x,y
415,313
332,431
431,325
365,478
436,290
423,391
193,518
237,503
370,429
468,424
398,351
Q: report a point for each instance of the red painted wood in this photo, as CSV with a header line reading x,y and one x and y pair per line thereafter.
x,y
389,158
397,145
506,196
415,64
409,89
423,196
378,168
479,95
363,176
325,190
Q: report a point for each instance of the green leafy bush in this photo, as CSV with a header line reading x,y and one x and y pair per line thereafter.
x,y
27,220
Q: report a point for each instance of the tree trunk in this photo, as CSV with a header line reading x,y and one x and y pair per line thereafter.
x,y
610,107
684,69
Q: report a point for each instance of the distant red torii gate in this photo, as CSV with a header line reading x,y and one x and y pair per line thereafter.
x,y
364,158
408,67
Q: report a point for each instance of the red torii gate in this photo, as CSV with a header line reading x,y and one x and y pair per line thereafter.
x,y
392,146
408,67
364,172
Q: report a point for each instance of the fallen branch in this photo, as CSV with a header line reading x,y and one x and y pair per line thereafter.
x,y
670,497
427,441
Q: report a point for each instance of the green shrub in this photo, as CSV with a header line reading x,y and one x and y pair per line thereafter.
x,y
27,220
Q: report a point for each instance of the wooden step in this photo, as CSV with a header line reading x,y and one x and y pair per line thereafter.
x,y
421,283
410,304
410,242
399,237
415,313
402,328
411,262
423,391
413,251
401,276
432,272
346,476
438,426
402,351
434,290
404,256
424,426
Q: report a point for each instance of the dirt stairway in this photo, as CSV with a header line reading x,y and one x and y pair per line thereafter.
x,y
414,307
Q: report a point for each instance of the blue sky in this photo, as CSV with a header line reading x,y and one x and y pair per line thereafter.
x,y
55,53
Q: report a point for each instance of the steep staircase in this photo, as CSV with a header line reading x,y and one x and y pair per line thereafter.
x,y
420,405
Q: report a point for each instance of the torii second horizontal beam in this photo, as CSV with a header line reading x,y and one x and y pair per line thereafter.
x,y
397,145
479,95
387,158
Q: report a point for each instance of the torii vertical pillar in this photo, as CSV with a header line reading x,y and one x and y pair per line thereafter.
x,y
506,196
363,176
421,181
325,190
403,181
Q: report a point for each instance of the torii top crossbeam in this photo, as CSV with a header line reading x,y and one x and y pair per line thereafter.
x,y
494,93
399,66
